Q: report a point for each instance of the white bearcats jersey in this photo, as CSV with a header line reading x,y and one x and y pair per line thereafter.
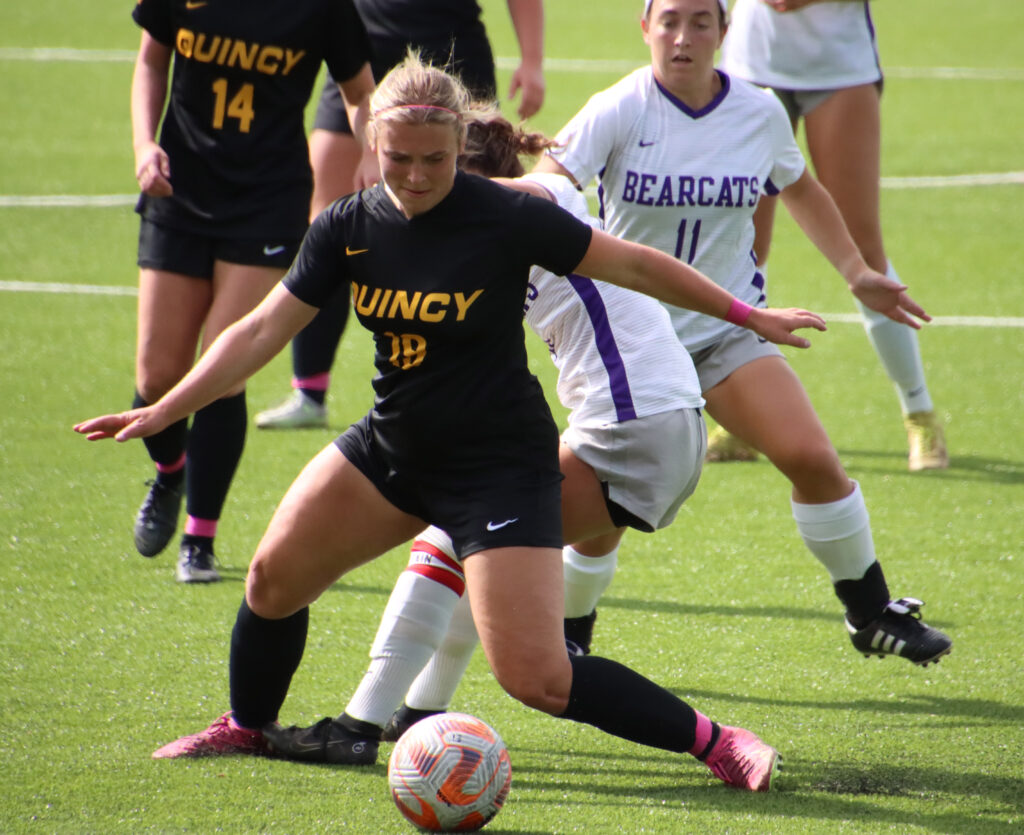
x,y
685,182
617,355
824,46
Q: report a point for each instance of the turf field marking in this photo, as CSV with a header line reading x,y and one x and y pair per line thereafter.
x,y
841,318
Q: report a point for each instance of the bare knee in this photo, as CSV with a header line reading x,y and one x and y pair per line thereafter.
x,y
544,688
267,598
154,378
814,468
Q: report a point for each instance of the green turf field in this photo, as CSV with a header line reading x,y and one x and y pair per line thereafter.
x,y
103,657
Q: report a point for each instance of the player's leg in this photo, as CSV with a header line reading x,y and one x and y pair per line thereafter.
x,y
764,404
334,156
843,137
217,436
516,597
331,520
171,310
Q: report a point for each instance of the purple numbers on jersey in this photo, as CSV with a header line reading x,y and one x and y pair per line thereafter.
x,y
681,240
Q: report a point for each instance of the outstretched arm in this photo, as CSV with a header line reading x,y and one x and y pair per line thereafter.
x,y
528,79
238,353
656,274
813,208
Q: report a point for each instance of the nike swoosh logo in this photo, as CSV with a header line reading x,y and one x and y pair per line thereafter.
x,y
493,526
349,251
192,4
647,144
273,250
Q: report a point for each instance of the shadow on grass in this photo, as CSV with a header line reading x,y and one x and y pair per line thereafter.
x,y
672,607
910,704
813,790
961,467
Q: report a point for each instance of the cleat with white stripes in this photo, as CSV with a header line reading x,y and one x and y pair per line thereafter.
x,y
899,630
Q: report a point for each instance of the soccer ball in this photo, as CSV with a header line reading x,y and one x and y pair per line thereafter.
x,y
449,772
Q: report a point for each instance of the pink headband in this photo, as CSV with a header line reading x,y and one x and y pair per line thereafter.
x,y
649,3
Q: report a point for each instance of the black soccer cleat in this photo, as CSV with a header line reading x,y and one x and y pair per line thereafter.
x,y
579,632
196,563
157,518
899,630
403,719
327,741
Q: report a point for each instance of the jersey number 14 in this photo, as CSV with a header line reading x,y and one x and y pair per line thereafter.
x,y
239,107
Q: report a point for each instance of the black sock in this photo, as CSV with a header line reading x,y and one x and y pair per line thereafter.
x,y
166,446
215,447
314,347
864,598
316,395
264,656
205,542
622,702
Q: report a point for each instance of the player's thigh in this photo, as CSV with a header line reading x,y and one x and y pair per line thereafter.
x,y
334,157
764,403
584,510
517,601
843,137
331,520
171,311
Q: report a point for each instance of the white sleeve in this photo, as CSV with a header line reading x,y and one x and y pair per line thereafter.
x,y
789,163
592,136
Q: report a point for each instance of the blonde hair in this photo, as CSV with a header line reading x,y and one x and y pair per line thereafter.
x,y
494,145
418,93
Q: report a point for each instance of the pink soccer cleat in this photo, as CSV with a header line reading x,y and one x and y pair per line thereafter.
x,y
222,737
742,760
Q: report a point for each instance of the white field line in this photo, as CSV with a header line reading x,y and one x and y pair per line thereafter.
x,y
837,318
59,201
580,65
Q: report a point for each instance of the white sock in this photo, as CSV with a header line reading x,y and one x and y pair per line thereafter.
x,y
838,534
898,349
435,687
586,579
413,625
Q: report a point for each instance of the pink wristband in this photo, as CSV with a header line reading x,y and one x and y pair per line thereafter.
x,y
738,312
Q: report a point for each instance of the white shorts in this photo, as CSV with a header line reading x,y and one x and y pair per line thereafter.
x,y
738,347
647,467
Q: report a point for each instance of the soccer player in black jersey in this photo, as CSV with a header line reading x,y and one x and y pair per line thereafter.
x,y
460,434
446,32
224,206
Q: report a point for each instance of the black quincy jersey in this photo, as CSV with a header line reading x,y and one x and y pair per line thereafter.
x,y
443,295
233,129
429,23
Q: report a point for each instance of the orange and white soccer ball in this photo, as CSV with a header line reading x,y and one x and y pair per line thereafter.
x,y
450,773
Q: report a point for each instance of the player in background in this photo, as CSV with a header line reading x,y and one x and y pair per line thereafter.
x,y
683,152
448,33
821,60
440,262
224,206
631,455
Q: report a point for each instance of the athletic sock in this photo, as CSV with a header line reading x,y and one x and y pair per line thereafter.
x,y
215,446
899,351
623,703
838,534
318,396
264,656
315,346
864,598
203,542
434,688
586,579
413,625
167,446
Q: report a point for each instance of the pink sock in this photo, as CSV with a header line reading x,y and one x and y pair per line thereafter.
x,y
201,527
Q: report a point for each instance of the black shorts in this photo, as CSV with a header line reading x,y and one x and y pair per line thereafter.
x,y
172,250
472,61
515,507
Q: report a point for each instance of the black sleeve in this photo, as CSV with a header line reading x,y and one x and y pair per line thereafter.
x,y
318,272
557,239
155,17
350,49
